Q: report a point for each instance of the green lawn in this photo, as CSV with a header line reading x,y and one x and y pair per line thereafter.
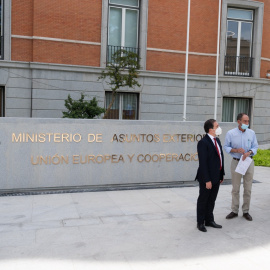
x,y
262,158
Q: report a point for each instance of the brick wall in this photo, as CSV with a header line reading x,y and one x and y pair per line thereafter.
x,y
265,65
66,53
22,17
21,50
61,19
81,21
167,27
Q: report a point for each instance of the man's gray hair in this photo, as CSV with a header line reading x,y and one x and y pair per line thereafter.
x,y
240,115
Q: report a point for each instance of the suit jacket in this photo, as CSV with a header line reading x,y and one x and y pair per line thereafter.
x,y
209,162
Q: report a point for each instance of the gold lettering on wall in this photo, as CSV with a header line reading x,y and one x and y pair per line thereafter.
x,y
91,137
94,138
47,137
48,160
114,158
120,139
131,157
135,138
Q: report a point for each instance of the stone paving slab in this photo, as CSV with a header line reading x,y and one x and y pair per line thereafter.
x,y
133,230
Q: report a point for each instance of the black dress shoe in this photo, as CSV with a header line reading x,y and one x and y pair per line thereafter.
x,y
232,215
201,227
247,216
213,224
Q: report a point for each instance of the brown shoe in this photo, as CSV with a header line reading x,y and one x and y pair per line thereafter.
x,y
231,215
247,216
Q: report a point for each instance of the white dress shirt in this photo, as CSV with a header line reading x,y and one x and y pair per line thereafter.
x,y
212,139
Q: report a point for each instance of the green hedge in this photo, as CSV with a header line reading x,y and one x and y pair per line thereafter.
x,y
262,158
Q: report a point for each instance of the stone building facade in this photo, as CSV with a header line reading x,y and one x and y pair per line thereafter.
x,y
50,49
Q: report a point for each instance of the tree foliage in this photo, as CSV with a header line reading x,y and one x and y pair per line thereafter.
x,y
82,109
122,71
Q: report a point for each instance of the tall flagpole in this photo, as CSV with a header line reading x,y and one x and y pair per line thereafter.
x,y
217,61
186,69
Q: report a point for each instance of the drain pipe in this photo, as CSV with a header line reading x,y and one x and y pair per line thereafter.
x,y
31,105
217,61
186,68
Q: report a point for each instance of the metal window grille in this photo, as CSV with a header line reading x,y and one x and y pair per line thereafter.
x,y
111,50
238,66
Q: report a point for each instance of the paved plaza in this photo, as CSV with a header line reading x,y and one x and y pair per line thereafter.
x,y
133,230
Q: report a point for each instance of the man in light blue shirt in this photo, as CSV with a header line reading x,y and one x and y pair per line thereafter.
x,y
239,142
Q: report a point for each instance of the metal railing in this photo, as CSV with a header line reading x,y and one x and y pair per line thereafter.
x,y
111,50
238,66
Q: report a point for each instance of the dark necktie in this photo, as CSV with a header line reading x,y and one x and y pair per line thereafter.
x,y
218,153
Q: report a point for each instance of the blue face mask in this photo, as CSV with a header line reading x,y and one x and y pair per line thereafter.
x,y
244,126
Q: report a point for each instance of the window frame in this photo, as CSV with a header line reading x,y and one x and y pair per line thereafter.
x,y
123,30
123,5
2,100
240,21
142,32
2,29
234,107
258,8
121,95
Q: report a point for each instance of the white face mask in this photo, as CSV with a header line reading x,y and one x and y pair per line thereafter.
x,y
218,131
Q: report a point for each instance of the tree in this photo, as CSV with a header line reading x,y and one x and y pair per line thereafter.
x,y
82,109
123,70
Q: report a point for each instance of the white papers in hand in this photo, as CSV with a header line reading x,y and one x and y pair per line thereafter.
x,y
243,165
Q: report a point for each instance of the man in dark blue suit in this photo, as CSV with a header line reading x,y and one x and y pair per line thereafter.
x,y
210,174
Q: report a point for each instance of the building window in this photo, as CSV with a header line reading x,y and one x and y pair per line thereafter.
x,y
125,106
1,30
123,26
2,101
238,58
233,106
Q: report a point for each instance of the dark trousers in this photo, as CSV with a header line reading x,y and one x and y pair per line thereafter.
x,y
206,202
